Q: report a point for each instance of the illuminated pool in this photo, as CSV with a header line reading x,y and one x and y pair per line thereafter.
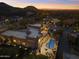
x,y
51,43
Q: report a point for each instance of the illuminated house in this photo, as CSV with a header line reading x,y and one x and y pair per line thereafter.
x,y
46,44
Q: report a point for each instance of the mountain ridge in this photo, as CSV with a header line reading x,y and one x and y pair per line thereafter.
x,y
6,9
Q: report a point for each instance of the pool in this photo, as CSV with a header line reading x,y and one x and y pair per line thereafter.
x,y
51,43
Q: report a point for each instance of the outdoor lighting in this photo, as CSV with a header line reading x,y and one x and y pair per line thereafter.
x,y
52,21
39,40
19,46
31,53
8,44
46,29
25,48
6,20
74,30
9,41
44,19
14,40
16,55
54,29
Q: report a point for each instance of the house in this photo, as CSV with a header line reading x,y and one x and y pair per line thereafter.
x,y
47,45
21,37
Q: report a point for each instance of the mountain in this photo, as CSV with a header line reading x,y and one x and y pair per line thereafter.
x,y
6,9
27,11
30,10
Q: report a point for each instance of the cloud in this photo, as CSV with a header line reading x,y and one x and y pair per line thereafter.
x,y
49,6
73,0
34,1
42,5
57,6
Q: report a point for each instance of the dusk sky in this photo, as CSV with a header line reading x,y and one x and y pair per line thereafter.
x,y
45,4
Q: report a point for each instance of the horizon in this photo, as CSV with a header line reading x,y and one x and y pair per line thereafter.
x,y
45,4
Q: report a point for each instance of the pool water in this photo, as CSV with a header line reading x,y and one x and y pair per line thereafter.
x,y
51,43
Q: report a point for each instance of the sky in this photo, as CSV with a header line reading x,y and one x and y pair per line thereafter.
x,y
44,4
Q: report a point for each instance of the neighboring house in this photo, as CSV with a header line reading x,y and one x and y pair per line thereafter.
x,y
21,37
16,18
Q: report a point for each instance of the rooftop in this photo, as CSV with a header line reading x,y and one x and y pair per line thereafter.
x,y
34,33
